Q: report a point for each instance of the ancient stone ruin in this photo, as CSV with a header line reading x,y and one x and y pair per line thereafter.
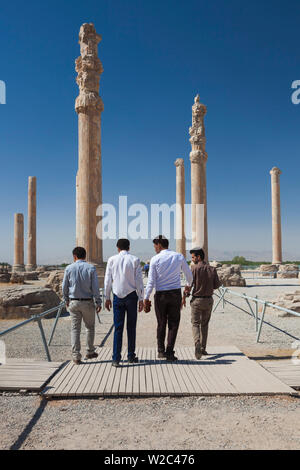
x,y
290,301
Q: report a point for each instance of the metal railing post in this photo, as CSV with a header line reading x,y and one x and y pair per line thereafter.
x,y
44,339
222,292
256,314
55,323
261,322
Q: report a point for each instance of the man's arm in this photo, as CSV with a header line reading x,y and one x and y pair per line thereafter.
x,y
217,282
151,284
187,272
95,288
139,281
65,287
108,280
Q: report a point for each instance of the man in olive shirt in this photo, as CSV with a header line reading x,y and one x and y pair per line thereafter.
x,y
205,280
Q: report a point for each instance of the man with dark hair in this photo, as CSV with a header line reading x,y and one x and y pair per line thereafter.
x,y
205,280
164,277
124,277
81,292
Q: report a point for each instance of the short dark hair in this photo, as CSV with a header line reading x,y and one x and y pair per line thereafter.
x,y
198,252
123,244
79,252
161,240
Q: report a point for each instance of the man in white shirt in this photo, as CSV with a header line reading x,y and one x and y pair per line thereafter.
x,y
164,277
124,277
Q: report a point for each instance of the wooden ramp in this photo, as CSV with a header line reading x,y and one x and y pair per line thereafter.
x,y
285,370
26,374
227,371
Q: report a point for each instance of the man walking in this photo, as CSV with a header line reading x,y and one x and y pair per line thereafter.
x,y
124,277
81,293
164,277
205,280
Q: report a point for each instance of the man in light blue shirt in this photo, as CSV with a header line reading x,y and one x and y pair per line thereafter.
x,y
164,277
82,296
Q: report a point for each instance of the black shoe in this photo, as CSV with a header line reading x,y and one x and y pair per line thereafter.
x,y
171,357
77,362
161,355
91,356
198,353
133,360
204,353
115,363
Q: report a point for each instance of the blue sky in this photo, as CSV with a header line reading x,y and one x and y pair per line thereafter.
x,y
241,57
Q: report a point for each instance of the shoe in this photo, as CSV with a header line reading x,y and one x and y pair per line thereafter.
x,y
133,360
198,353
115,363
171,357
77,362
204,353
91,356
161,355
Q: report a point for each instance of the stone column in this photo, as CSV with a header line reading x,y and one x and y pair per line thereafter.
x,y
19,243
180,201
31,242
198,158
89,106
276,216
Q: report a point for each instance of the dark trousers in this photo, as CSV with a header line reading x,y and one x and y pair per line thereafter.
x,y
167,308
122,306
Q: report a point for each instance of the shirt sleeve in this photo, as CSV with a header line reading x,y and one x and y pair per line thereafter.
x,y
217,282
139,281
95,288
65,286
187,272
151,284
108,280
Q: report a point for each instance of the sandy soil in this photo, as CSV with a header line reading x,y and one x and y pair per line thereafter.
x,y
161,423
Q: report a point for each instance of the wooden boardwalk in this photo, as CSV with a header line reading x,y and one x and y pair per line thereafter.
x,y
285,370
226,371
26,374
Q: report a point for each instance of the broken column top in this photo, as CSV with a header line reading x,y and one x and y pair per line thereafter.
x,y
275,170
179,162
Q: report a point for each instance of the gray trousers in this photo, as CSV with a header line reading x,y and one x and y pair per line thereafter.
x,y
82,310
201,313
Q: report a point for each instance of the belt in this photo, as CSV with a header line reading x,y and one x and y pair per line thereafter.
x,y
202,296
172,291
81,299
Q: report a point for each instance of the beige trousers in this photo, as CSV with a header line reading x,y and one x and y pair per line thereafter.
x,y
201,313
82,310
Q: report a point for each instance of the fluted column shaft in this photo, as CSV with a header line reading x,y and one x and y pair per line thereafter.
x,y
18,243
276,217
180,202
31,242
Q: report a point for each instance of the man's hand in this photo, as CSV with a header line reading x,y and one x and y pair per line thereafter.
x,y
108,305
147,305
183,302
187,291
98,308
141,306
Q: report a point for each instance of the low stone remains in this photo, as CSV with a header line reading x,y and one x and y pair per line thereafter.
x,y
22,302
290,301
270,269
231,275
54,282
288,271
215,264
4,277
17,278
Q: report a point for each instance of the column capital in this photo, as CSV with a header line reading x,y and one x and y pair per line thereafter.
x,y
275,171
179,162
198,156
89,68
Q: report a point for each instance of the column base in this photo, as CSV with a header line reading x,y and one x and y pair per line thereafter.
x,y
30,267
18,268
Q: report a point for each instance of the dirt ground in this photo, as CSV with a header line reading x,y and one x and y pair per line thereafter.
x,y
29,422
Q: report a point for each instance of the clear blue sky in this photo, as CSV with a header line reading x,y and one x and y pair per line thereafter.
x,y
241,57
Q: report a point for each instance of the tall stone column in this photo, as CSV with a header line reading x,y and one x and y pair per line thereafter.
x,y
31,242
89,106
198,158
276,216
19,243
180,202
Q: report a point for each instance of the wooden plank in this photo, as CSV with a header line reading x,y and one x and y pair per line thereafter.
x,y
136,375
149,383
203,387
104,372
123,376
119,371
98,372
154,374
160,375
142,373
194,386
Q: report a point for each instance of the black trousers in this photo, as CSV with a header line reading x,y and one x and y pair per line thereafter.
x,y
167,309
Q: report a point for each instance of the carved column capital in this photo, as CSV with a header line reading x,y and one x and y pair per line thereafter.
x,y
275,171
179,162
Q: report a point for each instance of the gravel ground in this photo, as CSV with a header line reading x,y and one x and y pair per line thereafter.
x,y
159,423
